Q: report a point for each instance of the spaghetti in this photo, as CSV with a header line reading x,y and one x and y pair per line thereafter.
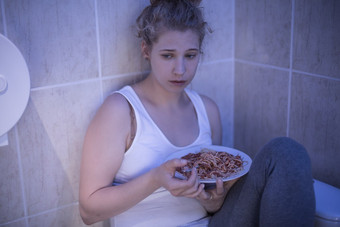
x,y
211,164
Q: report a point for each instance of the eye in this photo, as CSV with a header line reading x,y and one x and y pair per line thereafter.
x,y
167,56
191,56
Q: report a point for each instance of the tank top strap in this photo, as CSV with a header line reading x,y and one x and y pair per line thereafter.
x,y
195,98
201,111
134,101
131,97
142,116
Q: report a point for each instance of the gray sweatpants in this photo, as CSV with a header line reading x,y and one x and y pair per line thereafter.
x,y
277,191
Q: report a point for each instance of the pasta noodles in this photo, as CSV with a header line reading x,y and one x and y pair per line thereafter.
x,y
211,164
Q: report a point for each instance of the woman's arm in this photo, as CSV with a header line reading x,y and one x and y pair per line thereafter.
x,y
103,152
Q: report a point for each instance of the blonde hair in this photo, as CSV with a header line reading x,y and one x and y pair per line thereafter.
x,y
162,15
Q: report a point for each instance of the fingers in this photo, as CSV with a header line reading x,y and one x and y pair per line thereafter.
x,y
193,176
189,188
174,163
170,166
219,187
216,193
204,195
199,190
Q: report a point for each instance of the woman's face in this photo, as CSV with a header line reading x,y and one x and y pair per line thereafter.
x,y
174,59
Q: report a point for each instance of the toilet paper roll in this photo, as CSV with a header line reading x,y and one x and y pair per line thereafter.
x,y
14,85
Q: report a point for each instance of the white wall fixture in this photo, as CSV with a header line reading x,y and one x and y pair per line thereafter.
x,y
14,87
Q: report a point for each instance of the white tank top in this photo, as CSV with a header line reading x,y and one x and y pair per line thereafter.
x,y
149,149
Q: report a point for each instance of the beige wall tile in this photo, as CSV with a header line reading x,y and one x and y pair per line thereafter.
x,y
11,200
261,100
58,46
216,81
317,37
66,216
120,48
219,16
19,223
116,83
315,122
262,31
51,133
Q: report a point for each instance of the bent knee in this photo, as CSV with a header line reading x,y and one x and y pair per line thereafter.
x,y
286,146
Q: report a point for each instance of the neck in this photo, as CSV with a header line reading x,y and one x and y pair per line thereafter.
x,y
151,92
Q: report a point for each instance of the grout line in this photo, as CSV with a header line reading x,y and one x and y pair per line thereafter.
x,y
21,176
53,209
14,221
40,213
86,81
4,22
316,75
286,69
65,84
110,77
208,63
233,76
100,75
125,75
290,68
261,65
217,61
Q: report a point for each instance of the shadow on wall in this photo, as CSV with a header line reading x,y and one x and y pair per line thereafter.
x,y
50,167
296,91
51,150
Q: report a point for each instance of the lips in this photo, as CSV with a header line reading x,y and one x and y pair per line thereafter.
x,y
178,82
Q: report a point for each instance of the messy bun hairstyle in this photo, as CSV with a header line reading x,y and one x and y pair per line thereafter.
x,y
194,2
163,15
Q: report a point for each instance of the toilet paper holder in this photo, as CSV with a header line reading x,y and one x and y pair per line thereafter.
x,y
14,87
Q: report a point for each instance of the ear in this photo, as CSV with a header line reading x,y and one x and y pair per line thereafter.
x,y
145,50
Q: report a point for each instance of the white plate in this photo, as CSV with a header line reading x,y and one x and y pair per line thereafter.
x,y
246,160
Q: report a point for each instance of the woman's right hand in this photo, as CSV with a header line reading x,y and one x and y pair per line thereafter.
x,y
177,187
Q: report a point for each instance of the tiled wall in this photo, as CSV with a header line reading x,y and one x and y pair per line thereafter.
x,y
287,78
78,52
283,54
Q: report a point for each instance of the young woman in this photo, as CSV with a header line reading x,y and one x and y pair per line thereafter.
x,y
124,175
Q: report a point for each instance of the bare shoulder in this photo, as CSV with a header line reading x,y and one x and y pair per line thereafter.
x,y
112,120
214,119
210,104
115,104
114,110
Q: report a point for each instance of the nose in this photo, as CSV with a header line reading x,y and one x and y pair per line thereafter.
x,y
179,67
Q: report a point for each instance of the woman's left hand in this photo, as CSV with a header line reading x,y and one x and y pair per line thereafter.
x,y
213,199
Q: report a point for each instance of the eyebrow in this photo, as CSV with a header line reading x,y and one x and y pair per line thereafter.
x,y
173,50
